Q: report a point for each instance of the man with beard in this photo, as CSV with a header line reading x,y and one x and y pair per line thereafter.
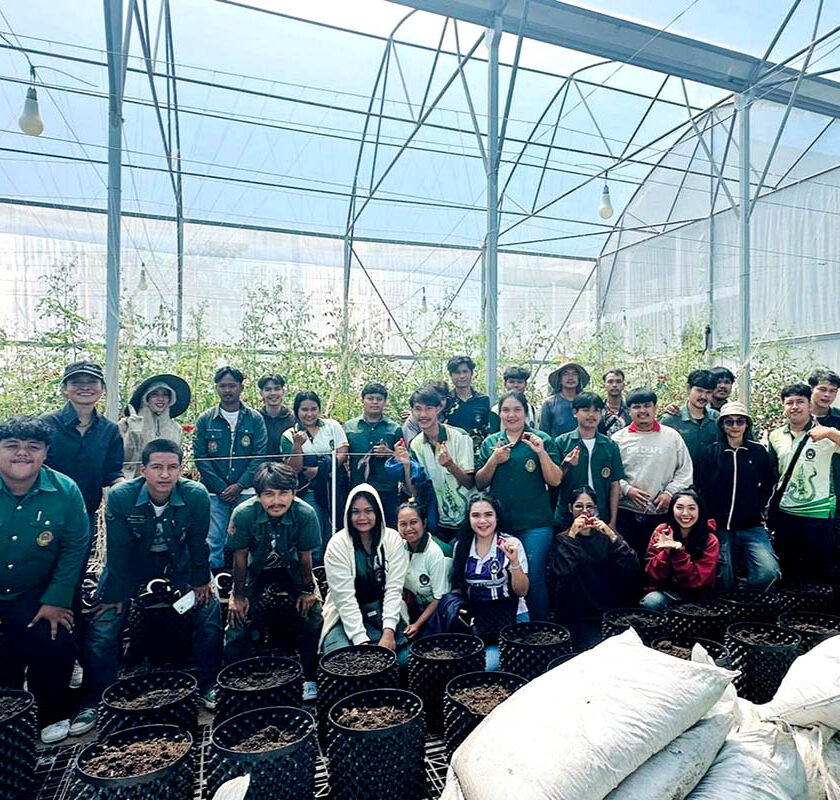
x,y
696,422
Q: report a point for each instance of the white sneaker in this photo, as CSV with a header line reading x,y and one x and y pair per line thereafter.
x,y
57,732
310,691
77,676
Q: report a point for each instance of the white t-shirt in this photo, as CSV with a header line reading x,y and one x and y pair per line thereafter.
x,y
330,436
590,444
159,543
232,417
428,574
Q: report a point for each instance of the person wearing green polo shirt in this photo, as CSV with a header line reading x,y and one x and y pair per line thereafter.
x,y
696,421
44,545
589,458
273,536
515,465
372,437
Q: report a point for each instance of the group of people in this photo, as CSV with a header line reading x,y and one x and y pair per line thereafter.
x,y
462,515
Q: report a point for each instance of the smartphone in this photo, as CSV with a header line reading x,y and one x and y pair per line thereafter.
x,y
185,603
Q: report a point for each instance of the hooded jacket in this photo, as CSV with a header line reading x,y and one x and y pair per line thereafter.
x,y
144,426
341,605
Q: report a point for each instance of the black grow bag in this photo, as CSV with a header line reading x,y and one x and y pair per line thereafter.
x,y
18,734
459,719
382,764
794,620
720,653
172,782
526,658
649,624
284,773
236,700
748,605
428,676
762,665
157,632
802,595
703,618
181,711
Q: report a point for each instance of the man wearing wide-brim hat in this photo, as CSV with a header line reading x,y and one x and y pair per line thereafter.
x,y
151,414
567,382
735,478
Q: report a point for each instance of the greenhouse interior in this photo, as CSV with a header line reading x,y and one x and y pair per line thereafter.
x,y
347,191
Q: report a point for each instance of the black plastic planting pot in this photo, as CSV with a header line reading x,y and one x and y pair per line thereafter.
x,y
460,720
762,665
804,623
382,764
650,625
428,676
235,700
156,632
284,773
529,659
172,782
18,733
705,619
181,711
320,576
720,653
561,660
271,612
804,596
334,685
747,605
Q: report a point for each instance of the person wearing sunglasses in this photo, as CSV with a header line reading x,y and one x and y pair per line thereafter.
x,y
735,478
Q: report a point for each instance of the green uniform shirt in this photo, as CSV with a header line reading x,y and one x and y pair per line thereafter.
x,y
518,484
696,433
297,531
44,539
811,491
606,469
362,436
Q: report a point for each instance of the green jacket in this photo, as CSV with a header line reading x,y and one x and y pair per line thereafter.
x,y
44,539
362,436
130,524
218,459
697,435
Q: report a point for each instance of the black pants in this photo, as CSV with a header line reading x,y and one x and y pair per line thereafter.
x,y
637,529
805,547
30,652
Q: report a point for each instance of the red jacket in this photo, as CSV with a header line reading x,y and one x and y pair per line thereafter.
x,y
676,568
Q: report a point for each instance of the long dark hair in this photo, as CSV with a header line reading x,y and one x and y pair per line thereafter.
x,y
698,536
377,511
465,537
300,397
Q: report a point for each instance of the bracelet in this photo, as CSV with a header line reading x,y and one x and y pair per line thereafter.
x,y
515,567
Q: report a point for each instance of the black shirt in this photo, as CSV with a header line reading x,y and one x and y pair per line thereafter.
x,y
94,460
471,415
275,426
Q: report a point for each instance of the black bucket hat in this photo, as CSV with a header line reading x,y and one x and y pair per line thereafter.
x,y
180,388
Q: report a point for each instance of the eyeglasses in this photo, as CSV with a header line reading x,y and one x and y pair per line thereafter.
x,y
731,421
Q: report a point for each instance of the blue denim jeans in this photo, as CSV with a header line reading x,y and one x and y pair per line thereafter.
x,y
101,648
659,601
537,543
749,548
220,512
492,658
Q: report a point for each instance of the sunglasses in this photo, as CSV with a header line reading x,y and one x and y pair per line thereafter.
x,y
730,421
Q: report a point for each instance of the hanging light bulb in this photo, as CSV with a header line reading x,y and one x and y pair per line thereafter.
x,y
388,325
606,208
30,120
143,285
423,307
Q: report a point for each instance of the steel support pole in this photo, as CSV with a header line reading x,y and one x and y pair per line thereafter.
x,y
491,267
710,300
742,105
113,38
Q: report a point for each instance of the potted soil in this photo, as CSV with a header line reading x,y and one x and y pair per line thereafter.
x,y
470,698
527,648
681,647
763,653
703,618
275,745
376,746
258,682
353,669
150,762
802,595
811,626
748,605
650,625
433,661
18,734
151,698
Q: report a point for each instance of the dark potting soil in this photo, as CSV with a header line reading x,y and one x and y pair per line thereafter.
x,y
269,738
482,699
441,654
636,621
154,698
539,637
10,706
262,679
674,650
808,627
374,718
693,610
358,663
762,637
138,758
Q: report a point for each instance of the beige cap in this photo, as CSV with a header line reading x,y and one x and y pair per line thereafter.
x,y
734,408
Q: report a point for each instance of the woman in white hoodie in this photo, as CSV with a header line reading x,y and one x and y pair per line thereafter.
x,y
366,564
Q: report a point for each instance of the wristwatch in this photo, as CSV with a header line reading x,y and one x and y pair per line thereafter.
x,y
308,588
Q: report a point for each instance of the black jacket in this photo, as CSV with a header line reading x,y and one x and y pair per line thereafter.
x,y
736,485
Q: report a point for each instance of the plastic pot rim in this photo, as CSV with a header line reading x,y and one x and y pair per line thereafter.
x,y
735,628
229,668
348,702
430,641
357,648
506,634
166,675
291,747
